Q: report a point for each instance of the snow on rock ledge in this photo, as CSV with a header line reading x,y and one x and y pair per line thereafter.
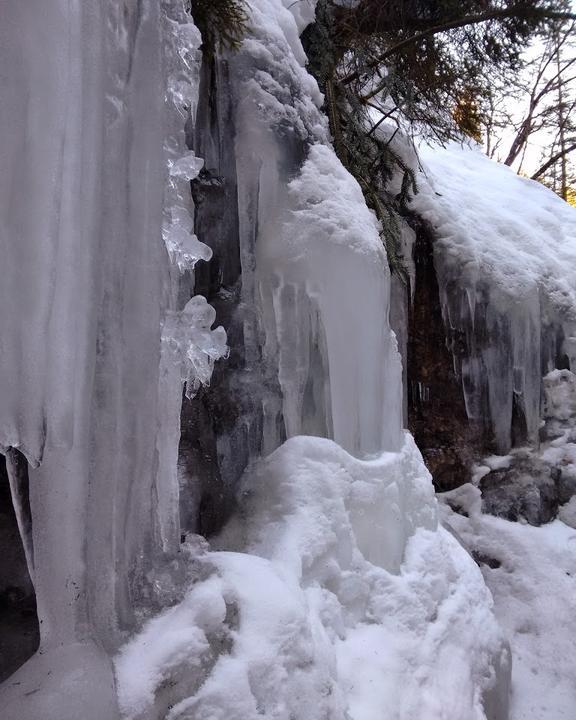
x,y
505,256
497,226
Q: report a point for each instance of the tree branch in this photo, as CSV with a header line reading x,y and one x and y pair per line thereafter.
x,y
517,10
554,159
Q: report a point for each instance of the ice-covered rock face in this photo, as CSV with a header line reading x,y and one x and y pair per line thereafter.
x,y
532,483
504,252
331,560
320,266
81,308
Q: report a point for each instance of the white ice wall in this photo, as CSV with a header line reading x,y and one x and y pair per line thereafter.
x,y
86,138
81,202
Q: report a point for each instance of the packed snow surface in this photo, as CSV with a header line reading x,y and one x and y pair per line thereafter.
x,y
531,572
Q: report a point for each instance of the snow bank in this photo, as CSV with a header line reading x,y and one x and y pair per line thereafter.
x,y
504,254
346,601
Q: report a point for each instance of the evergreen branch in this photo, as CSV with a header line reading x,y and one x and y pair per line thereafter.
x,y
518,10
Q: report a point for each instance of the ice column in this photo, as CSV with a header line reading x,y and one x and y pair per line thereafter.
x,y
320,272
87,285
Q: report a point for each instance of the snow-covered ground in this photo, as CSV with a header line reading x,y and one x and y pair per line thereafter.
x,y
531,572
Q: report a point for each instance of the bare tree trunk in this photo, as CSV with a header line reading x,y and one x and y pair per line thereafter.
x,y
561,121
554,159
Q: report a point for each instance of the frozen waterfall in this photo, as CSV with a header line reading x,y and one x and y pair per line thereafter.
x,y
332,579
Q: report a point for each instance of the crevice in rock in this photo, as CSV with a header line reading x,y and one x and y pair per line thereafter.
x,y
222,428
19,629
437,416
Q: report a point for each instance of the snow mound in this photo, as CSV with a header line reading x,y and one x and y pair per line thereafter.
x,y
333,594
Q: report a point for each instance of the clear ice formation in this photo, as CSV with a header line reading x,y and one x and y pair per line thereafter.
x,y
335,546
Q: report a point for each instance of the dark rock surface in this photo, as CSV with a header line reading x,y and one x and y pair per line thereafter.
x,y
19,634
437,417
566,485
528,489
222,428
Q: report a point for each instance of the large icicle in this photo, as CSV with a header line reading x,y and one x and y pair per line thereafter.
x,y
321,277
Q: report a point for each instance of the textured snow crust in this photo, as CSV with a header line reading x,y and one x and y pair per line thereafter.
x,y
303,12
530,572
504,255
